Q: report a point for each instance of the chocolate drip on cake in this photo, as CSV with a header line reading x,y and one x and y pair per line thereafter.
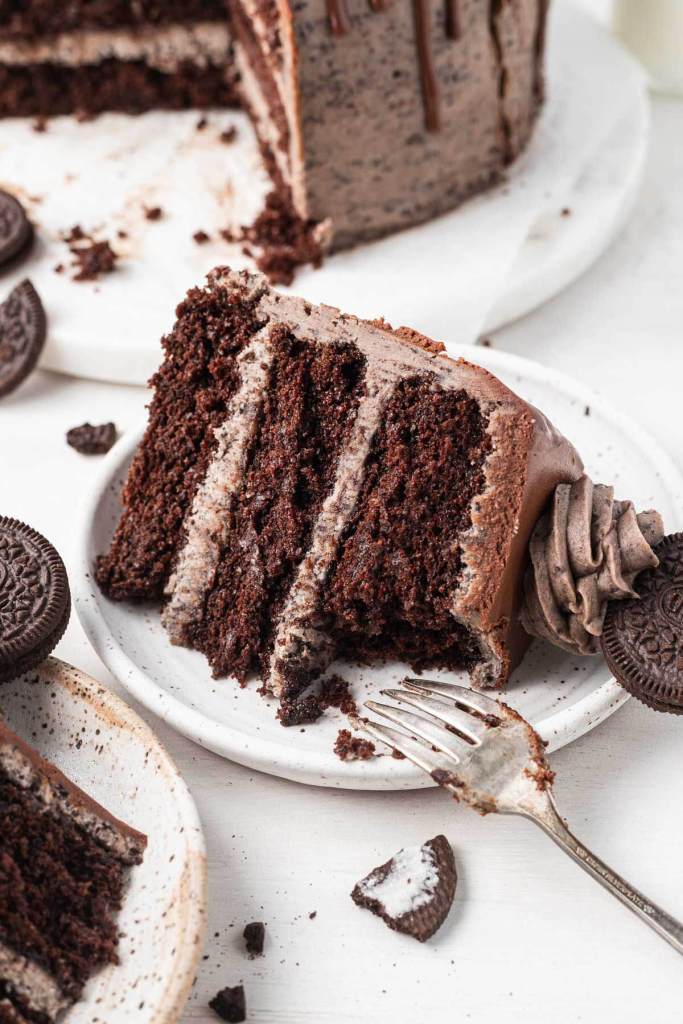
x,y
453,27
340,20
430,89
357,492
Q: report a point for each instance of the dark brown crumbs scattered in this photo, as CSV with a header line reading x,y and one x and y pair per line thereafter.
x,y
202,123
91,259
486,343
352,748
398,755
40,125
313,914
92,440
229,135
587,411
566,212
201,237
282,239
153,213
230,1004
254,938
59,269
121,234
334,693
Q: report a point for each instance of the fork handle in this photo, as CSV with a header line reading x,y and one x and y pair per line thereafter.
x,y
664,924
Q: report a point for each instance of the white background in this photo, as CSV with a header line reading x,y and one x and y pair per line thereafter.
x,y
531,938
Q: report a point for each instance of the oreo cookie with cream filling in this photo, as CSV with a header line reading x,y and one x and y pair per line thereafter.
x,y
413,892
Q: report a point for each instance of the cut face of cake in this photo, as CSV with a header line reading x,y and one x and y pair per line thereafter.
x,y
313,485
372,115
125,55
63,866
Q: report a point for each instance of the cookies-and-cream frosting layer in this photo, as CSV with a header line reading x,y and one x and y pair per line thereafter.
x,y
165,47
586,551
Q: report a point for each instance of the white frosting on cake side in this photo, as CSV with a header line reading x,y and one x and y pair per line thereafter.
x,y
206,43
410,883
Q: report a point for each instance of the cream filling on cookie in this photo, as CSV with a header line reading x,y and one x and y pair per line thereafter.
x,y
206,44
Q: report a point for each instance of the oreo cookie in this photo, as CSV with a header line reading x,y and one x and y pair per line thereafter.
x,y
35,602
16,230
23,328
643,637
413,892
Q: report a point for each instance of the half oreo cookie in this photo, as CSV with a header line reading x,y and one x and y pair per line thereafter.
x,y
643,637
16,230
413,892
23,328
35,602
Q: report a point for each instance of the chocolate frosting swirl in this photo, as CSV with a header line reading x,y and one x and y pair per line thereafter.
x,y
585,551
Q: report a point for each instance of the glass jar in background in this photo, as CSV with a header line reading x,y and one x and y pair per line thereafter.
x,y
653,31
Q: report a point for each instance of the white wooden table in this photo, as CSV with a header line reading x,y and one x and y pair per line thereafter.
x,y
531,937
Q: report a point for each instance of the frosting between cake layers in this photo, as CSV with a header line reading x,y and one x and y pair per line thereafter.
x,y
207,525
32,983
165,47
586,551
17,767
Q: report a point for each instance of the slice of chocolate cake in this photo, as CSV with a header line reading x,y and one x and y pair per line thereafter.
x,y
311,484
63,866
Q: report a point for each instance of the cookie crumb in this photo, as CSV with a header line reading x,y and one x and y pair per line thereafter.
x,y
201,237
254,938
230,1004
153,213
228,136
90,440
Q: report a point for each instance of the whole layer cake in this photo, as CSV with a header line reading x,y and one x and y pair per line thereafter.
x,y
372,115
63,867
313,485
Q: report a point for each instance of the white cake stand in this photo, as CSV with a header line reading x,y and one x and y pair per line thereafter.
x,y
451,278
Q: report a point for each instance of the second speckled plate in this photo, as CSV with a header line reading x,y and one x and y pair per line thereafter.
x,y
107,750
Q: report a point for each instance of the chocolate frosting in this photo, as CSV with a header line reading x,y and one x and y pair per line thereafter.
x,y
585,551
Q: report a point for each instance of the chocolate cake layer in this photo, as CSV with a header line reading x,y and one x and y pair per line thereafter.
x,y
192,391
308,405
129,70
63,864
395,112
33,18
390,590
130,87
356,491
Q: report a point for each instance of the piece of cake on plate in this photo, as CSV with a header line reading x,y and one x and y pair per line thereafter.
x,y
313,485
63,867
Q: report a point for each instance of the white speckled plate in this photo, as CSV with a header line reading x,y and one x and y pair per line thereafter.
x,y
562,696
106,749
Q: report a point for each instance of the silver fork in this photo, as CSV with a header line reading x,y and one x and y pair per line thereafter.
x,y
488,756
